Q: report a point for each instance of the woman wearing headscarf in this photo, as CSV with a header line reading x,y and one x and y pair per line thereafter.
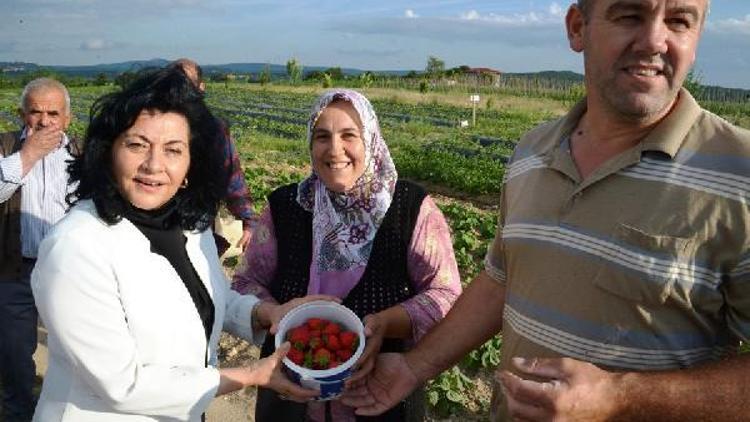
x,y
129,284
352,230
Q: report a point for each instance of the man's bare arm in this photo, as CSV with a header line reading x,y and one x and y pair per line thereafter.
x,y
572,390
476,316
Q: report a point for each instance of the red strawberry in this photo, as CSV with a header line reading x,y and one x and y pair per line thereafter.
x,y
296,356
333,363
349,340
315,333
332,328
344,354
321,358
299,337
332,342
315,323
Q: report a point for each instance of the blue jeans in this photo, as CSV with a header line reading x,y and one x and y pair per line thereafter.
x,y
18,336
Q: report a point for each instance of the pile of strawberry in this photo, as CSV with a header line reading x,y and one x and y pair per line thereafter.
x,y
321,344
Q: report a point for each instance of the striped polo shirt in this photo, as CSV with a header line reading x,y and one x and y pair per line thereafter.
x,y
645,265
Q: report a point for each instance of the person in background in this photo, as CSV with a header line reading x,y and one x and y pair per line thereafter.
x,y
352,230
129,284
33,185
238,198
620,272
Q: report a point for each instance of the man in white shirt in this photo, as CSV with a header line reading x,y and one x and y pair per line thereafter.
x,y
33,186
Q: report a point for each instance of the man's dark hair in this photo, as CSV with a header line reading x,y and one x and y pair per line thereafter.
x,y
163,90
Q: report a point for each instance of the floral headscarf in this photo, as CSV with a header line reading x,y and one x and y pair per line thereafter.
x,y
345,224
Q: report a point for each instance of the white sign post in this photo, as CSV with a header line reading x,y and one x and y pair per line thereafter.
x,y
474,98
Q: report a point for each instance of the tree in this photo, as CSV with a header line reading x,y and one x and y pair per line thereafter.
x,y
412,74
294,71
265,75
315,75
124,78
101,79
40,73
366,79
219,77
457,71
335,73
423,86
327,80
435,67
694,83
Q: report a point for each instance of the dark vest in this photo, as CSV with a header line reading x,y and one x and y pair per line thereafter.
x,y
384,283
10,217
10,212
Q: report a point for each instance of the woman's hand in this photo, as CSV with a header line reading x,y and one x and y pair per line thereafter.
x,y
375,330
267,372
271,313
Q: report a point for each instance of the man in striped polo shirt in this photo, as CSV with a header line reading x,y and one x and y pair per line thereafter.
x,y
33,185
620,272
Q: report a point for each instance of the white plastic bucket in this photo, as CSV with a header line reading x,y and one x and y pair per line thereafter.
x,y
330,382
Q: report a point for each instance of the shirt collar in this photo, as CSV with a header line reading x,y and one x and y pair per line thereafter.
x,y
670,133
65,140
667,136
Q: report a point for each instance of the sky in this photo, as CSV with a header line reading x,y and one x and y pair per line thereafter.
x,y
507,35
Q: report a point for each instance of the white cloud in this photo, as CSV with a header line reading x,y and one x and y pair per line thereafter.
x,y
518,19
96,44
471,15
555,10
732,25
410,14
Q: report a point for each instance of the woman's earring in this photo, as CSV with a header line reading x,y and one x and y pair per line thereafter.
x,y
184,183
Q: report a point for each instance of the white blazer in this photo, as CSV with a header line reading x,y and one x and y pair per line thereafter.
x,y
125,340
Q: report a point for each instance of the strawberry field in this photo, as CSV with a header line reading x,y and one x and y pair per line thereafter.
x,y
461,166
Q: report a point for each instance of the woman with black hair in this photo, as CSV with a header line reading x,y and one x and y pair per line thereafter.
x,y
129,284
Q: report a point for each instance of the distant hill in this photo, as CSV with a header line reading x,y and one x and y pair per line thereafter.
x,y
86,70
111,68
15,68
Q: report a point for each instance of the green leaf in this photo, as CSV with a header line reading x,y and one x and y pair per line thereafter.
x,y
433,397
454,397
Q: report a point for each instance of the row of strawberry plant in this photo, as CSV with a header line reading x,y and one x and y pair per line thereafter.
x,y
455,390
474,175
508,124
